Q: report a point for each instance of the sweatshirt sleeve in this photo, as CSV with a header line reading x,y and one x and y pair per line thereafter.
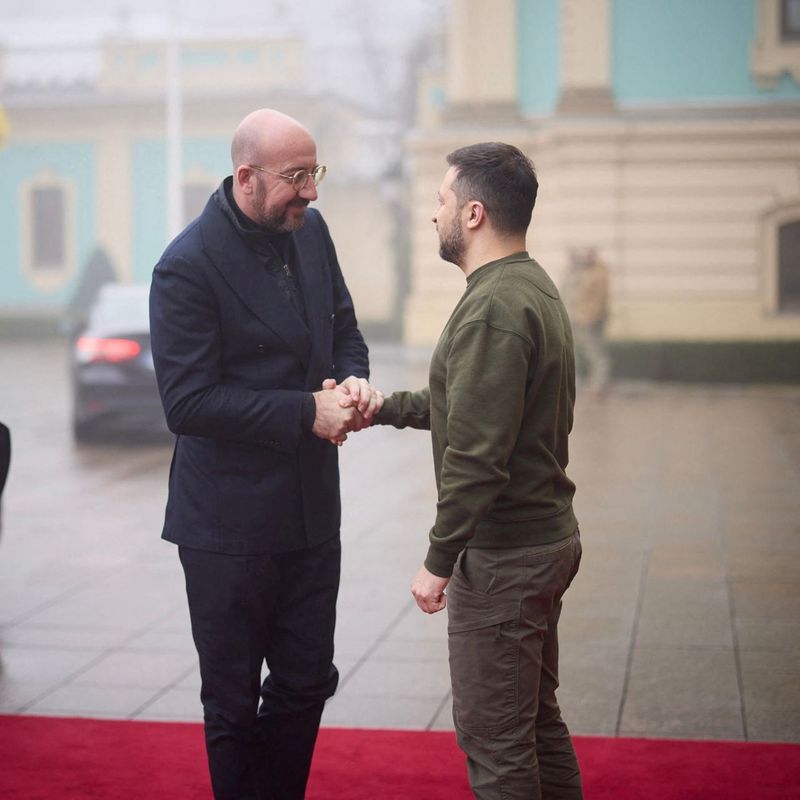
x,y
487,370
407,410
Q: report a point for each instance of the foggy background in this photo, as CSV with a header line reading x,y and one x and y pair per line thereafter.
x,y
667,140
365,52
347,69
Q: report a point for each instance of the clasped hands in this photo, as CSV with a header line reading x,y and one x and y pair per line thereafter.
x,y
352,406
344,408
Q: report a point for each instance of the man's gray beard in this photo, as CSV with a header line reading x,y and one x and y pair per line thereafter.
x,y
275,222
278,223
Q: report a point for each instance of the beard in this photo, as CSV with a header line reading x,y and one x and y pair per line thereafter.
x,y
276,220
451,243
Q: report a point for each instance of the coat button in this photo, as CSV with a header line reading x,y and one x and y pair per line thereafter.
x,y
261,348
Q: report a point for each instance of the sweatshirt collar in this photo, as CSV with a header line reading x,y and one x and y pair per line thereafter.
x,y
521,255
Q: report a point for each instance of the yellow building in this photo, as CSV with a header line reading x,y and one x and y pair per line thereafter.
x,y
666,135
87,160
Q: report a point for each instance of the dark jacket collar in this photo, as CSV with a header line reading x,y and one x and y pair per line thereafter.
x,y
238,264
256,238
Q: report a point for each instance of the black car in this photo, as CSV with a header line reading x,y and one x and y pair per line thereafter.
x,y
113,381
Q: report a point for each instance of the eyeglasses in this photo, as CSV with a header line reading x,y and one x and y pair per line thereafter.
x,y
298,179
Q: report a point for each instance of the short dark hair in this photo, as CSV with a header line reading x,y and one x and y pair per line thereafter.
x,y
502,178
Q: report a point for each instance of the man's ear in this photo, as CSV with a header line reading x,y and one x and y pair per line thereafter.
x,y
241,178
476,214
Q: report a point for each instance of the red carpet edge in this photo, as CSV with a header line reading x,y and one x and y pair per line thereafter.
x,y
90,759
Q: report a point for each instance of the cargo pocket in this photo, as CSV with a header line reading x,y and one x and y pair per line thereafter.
x,y
483,639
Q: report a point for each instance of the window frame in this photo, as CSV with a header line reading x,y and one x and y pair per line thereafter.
x,y
770,253
787,34
52,277
196,177
772,55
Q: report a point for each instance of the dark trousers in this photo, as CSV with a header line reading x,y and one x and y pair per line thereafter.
x,y
503,611
278,609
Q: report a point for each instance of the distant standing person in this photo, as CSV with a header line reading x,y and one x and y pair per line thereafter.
x,y
252,329
5,463
505,542
586,293
96,274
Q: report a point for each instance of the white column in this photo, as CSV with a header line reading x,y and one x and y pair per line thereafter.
x,y
586,56
482,56
114,191
174,128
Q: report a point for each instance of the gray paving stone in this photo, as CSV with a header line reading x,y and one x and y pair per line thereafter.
x,y
593,674
44,664
780,635
174,704
60,637
773,723
17,695
397,648
690,519
683,692
588,715
409,679
771,680
129,668
767,600
443,718
95,701
381,711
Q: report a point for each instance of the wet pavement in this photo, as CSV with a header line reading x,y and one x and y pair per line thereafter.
x,y
684,620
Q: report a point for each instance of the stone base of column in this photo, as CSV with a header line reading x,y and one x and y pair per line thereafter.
x,y
477,113
588,101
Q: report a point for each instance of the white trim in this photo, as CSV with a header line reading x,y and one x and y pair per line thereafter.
x,y
771,57
53,278
771,223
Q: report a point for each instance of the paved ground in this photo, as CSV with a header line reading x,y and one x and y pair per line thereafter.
x,y
683,622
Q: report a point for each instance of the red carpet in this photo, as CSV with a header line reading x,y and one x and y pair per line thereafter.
x,y
81,759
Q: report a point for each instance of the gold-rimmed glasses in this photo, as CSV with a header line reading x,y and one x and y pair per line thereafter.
x,y
299,179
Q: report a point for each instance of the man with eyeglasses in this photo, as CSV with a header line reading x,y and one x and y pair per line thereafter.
x,y
262,372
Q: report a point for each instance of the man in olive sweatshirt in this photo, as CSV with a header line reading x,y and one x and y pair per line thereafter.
x,y
505,543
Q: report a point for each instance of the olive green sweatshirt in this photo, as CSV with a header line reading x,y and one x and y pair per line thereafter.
x,y
499,405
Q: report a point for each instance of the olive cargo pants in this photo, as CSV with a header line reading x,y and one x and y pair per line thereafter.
x,y
503,608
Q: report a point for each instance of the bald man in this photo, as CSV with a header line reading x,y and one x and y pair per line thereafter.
x,y
262,372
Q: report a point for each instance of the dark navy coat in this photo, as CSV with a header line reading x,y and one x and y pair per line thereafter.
x,y
234,361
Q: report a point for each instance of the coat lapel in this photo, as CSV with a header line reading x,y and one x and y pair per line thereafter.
x,y
252,284
310,271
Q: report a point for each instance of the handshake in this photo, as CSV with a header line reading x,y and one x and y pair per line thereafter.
x,y
340,409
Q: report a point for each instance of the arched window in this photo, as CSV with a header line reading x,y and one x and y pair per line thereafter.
x,y
48,230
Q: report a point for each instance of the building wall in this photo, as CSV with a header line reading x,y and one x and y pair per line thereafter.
x,y
539,56
71,162
107,143
679,51
672,160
